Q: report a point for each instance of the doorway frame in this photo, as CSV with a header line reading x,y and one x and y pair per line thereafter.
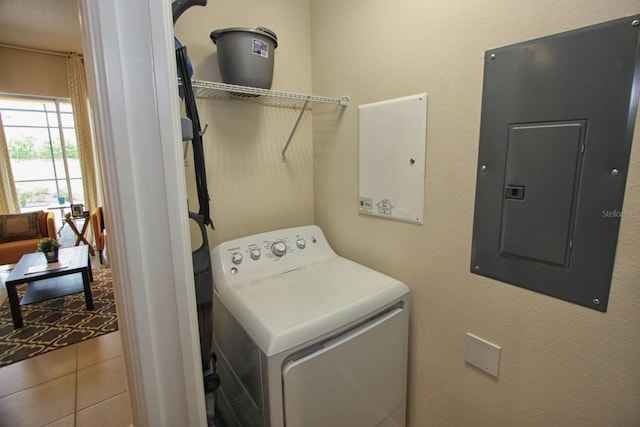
x,y
131,69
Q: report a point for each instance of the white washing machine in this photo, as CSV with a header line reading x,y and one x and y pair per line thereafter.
x,y
305,337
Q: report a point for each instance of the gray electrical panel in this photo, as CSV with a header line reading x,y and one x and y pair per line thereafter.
x,y
556,129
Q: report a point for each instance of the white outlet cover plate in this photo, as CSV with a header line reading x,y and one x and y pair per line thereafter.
x,y
482,354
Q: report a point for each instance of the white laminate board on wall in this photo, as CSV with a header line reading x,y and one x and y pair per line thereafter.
x,y
392,144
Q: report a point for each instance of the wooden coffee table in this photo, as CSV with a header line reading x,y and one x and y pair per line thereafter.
x,y
71,274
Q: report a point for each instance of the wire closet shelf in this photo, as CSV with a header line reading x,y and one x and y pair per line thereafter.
x,y
272,98
215,90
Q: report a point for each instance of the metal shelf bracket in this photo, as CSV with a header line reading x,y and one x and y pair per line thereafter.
x,y
215,90
295,126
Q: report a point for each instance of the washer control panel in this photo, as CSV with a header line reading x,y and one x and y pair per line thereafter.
x,y
267,254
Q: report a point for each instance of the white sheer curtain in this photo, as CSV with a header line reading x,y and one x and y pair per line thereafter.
x,y
9,202
79,102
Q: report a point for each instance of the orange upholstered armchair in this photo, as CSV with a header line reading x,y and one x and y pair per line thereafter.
x,y
97,226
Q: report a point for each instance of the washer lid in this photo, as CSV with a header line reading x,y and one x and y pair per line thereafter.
x,y
284,311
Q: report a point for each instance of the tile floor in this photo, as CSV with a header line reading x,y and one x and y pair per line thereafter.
x,y
81,385
76,386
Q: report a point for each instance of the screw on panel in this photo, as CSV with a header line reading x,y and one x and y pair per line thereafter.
x,y
596,301
412,161
635,23
483,167
492,56
615,172
476,268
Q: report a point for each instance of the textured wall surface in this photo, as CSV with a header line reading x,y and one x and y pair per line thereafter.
x,y
562,364
251,189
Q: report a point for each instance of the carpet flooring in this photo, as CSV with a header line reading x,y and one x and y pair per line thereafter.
x,y
58,322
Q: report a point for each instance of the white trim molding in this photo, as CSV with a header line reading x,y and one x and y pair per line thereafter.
x,y
131,72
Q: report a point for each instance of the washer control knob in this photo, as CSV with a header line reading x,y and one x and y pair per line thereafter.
x,y
255,254
301,243
279,248
236,258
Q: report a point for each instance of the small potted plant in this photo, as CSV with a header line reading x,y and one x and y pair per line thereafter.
x,y
49,247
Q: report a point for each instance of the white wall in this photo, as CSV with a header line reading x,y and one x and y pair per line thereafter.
x,y
562,364
251,189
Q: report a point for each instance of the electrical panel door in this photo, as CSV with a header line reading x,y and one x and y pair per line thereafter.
x,y
557,123
540,191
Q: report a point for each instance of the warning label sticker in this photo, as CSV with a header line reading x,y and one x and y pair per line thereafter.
x,y
366,204
260,48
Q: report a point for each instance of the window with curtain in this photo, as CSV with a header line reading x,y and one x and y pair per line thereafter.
x,y
43,151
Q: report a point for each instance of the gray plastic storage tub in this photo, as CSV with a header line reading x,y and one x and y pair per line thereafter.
x,y
245,55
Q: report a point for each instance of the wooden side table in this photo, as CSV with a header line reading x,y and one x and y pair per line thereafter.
x,y
80,234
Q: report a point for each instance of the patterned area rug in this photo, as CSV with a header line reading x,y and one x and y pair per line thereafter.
x,y
58,322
